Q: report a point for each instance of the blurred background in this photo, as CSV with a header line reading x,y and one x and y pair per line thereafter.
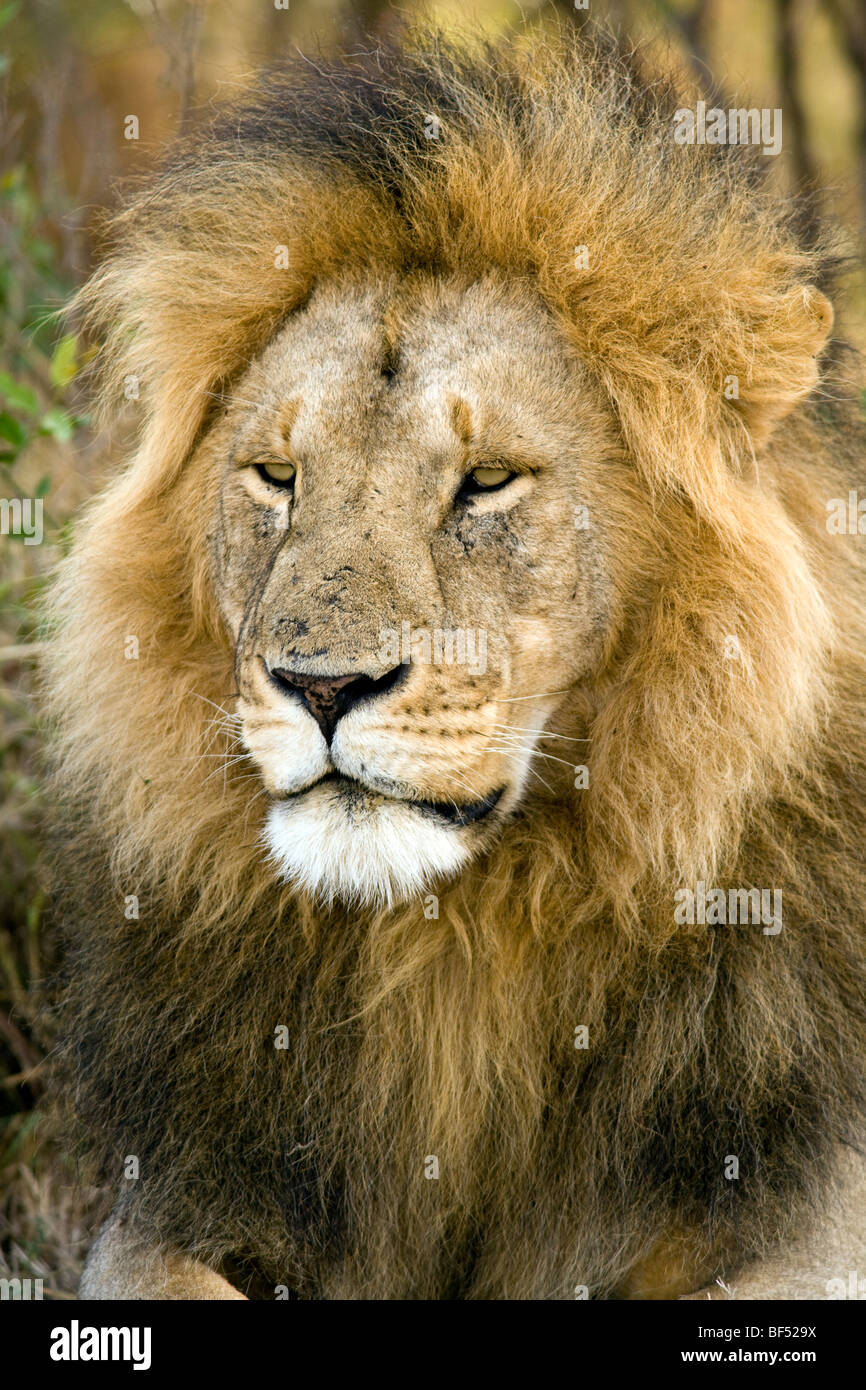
x,y
70,76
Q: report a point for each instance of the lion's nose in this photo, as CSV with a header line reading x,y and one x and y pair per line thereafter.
x,y
328,698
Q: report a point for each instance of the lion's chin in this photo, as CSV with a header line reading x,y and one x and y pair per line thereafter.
x,y
361,849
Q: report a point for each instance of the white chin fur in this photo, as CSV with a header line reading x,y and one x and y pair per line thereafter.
x,y
367,854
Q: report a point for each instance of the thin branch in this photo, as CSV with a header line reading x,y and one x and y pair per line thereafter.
x,y
25,1052
23,651
796,124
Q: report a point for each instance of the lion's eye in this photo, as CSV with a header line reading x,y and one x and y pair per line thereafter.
x,y
279,474
487,477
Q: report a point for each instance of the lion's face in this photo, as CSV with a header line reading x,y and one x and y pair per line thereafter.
x,y
409,558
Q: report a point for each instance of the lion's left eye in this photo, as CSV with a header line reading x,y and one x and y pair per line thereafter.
x,y
279,474
485,478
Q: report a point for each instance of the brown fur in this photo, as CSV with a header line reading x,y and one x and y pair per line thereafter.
x,y
454,1036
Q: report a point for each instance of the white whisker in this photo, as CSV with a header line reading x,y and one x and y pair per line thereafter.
x,y
544,695
542,733
533,752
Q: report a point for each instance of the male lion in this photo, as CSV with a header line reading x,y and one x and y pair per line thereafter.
x,y
458,707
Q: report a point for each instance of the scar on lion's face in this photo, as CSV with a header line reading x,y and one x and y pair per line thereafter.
x,y
411,530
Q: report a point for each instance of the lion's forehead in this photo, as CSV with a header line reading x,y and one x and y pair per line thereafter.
x,y
488,343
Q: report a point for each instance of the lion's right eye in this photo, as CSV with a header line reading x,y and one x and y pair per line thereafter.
x,y
277,474
484,478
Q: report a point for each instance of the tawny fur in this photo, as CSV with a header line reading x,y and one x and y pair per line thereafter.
x,y
454,1037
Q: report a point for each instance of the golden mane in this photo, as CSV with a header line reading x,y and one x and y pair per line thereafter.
x,y
455,1036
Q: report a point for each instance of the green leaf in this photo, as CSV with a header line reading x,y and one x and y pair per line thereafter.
x,y
8,12
43,487
11,430
18,396
58,425
64,361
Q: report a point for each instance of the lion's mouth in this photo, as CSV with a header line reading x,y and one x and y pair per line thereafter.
x,y
453,813
461,814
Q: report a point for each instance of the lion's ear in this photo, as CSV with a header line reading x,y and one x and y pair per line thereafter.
x,y
698,392
778,361
821,311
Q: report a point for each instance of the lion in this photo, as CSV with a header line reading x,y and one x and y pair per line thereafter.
x,y
456,705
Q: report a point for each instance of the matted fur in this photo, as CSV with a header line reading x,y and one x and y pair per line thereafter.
x,y
454,1036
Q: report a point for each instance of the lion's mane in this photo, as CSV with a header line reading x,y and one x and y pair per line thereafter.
x,y
411,1036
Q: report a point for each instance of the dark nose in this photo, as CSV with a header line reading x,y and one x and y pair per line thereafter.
x,y
328,698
